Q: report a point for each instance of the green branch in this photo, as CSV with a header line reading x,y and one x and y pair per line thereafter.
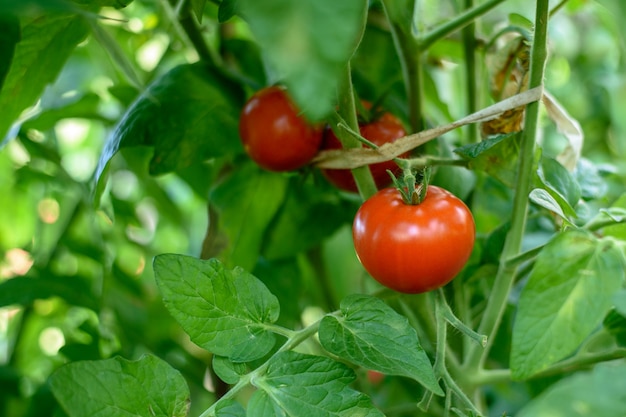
x,y
347,111
457,23
497,301
294,340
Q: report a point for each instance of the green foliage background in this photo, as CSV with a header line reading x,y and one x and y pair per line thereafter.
x,y
118,146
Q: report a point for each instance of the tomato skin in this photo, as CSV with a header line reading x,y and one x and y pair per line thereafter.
x,y
274,134
385,129
413,248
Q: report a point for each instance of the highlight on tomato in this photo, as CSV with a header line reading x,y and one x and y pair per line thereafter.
x,y
413,248
275,134
383,129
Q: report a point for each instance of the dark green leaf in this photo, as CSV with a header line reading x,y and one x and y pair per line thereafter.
x,y
118,4
307,217
9,37
246,57
24,290
496,156
568,293
223,311
307,43
599,393
46,43
148,387
228,8
188,115
371,334
246,202
615,324
309,386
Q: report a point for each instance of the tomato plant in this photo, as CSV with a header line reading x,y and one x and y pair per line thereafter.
x,y
413,248
385,128
152,244
275,134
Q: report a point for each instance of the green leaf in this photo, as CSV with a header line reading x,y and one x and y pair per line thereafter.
x,y
229,408
148,387
496,156
306,217
227,9
615,324
619,300
9,37
600,393
24,290
307,43
189,115
228,371
371,334
86,107
246,202
46,43
544,199
308,386
223,311
569,292
560,184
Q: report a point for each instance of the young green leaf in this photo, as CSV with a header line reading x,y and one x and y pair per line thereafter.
x,y
601,392
555,179
246,202
307,43
45,45
568,293
223,311
371,334
544,199
188,115
148,387
296,384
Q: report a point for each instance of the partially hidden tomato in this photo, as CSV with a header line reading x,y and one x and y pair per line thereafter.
x,y
413,248
385,129
274,133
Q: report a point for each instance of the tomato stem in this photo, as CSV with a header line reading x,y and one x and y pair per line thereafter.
x,y
454,321
505,276
347,111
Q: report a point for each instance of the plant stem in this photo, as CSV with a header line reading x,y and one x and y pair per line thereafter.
x,y
294,340
347,111
410,54
497,301
447,313
440,358
469,51
582,361
458,22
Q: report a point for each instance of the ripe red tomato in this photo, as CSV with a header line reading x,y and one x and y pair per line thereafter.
x,y
413,248
385,129
274,133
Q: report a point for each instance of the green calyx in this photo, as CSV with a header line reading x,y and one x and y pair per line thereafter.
x,y
413,186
